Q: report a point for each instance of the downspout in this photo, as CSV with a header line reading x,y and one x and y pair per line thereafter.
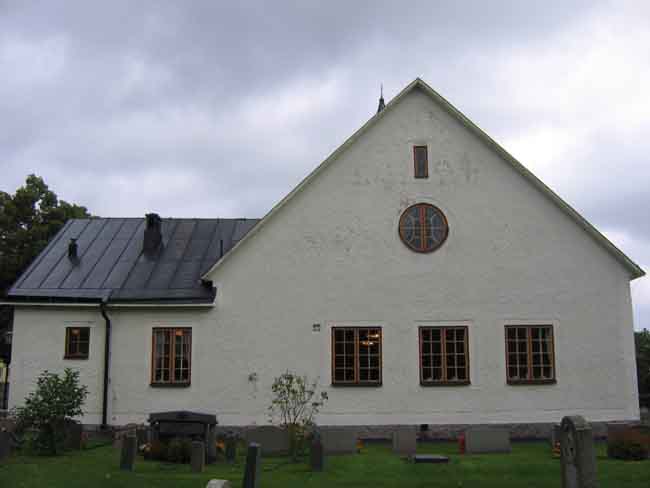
x,y
107,360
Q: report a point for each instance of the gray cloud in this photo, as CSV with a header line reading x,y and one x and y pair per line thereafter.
x,y
208,108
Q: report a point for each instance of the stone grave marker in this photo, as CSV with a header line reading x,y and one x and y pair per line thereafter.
x,y
274,439
211,448
578,458
6,443
339,441
73,435
197,460
405,441
129,449
218,484
316,452
252,470
482,440
231,447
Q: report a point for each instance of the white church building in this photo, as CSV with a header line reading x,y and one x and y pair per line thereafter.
x,y
420,273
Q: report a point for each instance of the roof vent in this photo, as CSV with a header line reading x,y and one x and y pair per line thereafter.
x,y
72,249
152,233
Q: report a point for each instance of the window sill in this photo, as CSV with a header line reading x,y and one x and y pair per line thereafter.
x,y
531,382
82,358
444,383
169,385
353,385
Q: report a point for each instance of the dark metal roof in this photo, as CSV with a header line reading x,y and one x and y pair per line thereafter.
x,y
111,264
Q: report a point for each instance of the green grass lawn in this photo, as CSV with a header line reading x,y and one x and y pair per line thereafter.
x,y
529,465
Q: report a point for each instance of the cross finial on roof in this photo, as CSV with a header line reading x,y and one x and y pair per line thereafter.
x,y
381,98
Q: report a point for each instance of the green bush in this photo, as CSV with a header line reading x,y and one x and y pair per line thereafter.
x,y
179,450
628,450
57,399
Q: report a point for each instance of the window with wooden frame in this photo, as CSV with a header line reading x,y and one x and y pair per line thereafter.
x,y
444,356
530,357
421,161
77,342
423,227
171,356
356,356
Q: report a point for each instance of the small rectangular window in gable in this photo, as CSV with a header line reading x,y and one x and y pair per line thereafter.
x,y
530,356
421,161
356,356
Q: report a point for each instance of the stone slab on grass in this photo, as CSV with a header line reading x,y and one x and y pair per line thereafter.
x,y
339,441
484,440
430,459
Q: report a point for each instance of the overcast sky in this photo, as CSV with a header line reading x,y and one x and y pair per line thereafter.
x,y
206,109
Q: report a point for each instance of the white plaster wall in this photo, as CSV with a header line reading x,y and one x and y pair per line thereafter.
x,y
333,256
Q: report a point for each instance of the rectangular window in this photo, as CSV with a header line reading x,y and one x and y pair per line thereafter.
x,y
529,354
77,342
171,356
356,356
421,161
444,356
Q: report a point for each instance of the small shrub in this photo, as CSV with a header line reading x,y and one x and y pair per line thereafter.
x,y
179,450
158,450
627,450
57,399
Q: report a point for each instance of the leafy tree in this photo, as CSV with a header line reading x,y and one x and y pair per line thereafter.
x,y
56,400
28,220
295,403
642,346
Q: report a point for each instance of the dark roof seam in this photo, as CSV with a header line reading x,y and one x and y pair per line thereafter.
x,y
42,255
108,246
153,268
99,231
207,248
180,261
63,255
135,233
128,275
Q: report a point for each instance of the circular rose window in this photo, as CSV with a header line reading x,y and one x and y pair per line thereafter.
x,y
423,227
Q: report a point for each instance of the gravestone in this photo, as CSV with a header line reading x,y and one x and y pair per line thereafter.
x,y
483,440
73,435
129,449
197,461
405,441
316,452
6,443
274,439
231,447
578,458
252,470
555,434
142,435
339,441
218,484
211,448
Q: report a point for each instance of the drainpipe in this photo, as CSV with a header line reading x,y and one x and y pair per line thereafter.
x,y
107,360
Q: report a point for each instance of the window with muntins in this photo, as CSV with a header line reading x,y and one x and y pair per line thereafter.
x,y
356,356
421,161
444,356
530,356
77,342
423,227
171,358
